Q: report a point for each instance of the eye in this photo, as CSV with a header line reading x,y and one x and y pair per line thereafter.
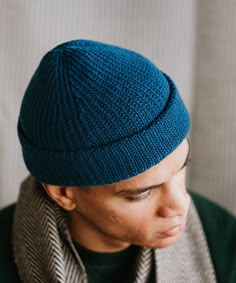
x,y
140,197
187,162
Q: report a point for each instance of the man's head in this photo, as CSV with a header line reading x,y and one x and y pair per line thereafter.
x,y
97,119
134,211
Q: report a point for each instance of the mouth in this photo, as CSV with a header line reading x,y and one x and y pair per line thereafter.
x,y
173,231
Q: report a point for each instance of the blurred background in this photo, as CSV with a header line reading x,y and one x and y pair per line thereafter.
x,y
191,40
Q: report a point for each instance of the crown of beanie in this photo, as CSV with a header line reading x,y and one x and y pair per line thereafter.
x,y
95,114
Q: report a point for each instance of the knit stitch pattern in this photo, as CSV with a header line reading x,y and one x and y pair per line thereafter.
x,y
94,114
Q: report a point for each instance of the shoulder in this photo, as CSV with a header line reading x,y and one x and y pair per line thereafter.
x,y
8,269
219,226
6,214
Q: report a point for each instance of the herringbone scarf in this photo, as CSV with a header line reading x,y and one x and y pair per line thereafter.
x,y
44,251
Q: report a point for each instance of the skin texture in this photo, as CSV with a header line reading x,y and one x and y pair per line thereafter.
x,y
104,219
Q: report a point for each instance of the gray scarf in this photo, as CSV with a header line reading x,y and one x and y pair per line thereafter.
x,y
44,251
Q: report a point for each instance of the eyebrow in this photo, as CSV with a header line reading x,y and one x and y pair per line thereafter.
x,y
142,190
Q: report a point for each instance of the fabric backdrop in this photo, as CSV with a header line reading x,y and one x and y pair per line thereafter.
x,y
192,41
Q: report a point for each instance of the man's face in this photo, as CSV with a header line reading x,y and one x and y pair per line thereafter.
x,y
134,211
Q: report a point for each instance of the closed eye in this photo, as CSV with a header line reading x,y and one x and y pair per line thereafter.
x,y
141,196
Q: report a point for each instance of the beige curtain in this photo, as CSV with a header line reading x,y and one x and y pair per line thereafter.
x,y
213,171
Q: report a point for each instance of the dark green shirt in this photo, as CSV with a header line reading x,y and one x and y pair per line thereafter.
x,y
109,267
218,224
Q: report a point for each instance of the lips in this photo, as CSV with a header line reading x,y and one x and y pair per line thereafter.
x,y
175,230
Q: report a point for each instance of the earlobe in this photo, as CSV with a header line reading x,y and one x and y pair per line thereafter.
x,y
66,203
58,194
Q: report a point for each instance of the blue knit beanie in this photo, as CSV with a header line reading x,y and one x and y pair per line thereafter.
x,y
96,114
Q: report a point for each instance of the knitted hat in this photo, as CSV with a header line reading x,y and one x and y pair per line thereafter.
x,y
97,114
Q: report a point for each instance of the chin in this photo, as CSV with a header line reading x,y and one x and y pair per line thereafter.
x,y
163,242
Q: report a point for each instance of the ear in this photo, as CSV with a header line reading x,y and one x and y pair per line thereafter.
x,y
61,196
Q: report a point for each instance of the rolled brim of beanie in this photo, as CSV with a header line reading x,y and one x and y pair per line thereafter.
x,y
117,161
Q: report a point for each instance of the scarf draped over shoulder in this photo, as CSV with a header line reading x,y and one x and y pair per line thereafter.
x,y
44,251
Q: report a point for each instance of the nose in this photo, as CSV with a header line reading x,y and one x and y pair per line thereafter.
x,y
172,201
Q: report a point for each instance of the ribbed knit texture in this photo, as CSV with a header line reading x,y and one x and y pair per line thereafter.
x,y
96,114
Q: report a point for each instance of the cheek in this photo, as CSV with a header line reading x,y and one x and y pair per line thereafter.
x,y
92,208
130,222
134,221
124,220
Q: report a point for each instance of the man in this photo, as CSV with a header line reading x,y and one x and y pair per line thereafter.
x,y
104,137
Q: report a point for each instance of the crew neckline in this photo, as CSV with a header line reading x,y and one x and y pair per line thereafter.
x,y
93,258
